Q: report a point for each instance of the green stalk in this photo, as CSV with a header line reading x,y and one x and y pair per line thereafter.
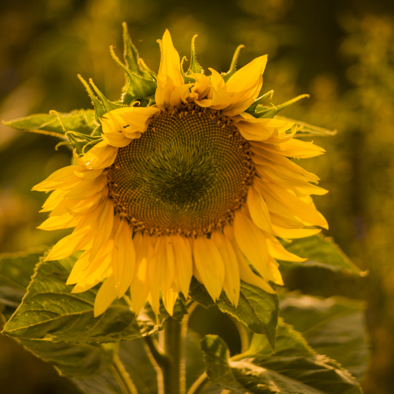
x,y
174,376
122,376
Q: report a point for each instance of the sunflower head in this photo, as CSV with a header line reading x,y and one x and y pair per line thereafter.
x,y
187,175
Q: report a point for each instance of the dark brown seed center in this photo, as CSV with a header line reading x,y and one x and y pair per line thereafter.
x,y
186,174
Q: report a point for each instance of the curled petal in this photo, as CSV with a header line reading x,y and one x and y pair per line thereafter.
x,y
169,76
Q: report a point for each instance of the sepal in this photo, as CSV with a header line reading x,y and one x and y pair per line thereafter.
x,y
139,85
262,111
194,65
82,143
233,65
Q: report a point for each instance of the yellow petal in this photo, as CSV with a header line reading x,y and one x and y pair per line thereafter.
x,y
246,274
140,285
261,129
53,200
127,120
287,233
97,269
277,251
244,86
293,148
252,242
118,140
258,210
209,265
232,281
275,273
103,228
169,299
123,258
287,200
63,178
67,246
183,263
80,265
59,222
218,98
88,174
105,296
87,189
169,76
180,95
201,86
101,155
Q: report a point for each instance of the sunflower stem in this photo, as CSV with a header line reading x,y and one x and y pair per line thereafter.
x,y
122,376
173,338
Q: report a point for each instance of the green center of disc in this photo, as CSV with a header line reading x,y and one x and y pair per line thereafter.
x,y
186,174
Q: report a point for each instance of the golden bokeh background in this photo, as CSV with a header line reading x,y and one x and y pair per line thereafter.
x,y
341,52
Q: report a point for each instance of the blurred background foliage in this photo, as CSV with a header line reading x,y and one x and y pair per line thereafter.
x,y
341,52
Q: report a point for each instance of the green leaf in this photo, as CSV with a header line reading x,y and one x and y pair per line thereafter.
x,y
73,360
81,121
274,374
257,309
334,327
320,252
89,366
49,311
137,364
288,343
16,269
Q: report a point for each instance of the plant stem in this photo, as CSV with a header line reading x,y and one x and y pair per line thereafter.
x,y
122,376
174,376
199,384
159,360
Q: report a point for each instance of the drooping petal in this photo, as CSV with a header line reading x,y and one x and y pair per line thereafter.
x,y
252,242
105,296
169,299
209,265
103,228
232,280
183,263
63,178
286,200
245,271
123,257
287,233
59,222
258,210
277,251
87,189
140,285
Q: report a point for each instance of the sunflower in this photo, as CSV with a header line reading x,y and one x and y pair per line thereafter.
x,y
189,185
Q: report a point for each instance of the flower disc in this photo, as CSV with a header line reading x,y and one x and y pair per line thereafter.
x,y
186,174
